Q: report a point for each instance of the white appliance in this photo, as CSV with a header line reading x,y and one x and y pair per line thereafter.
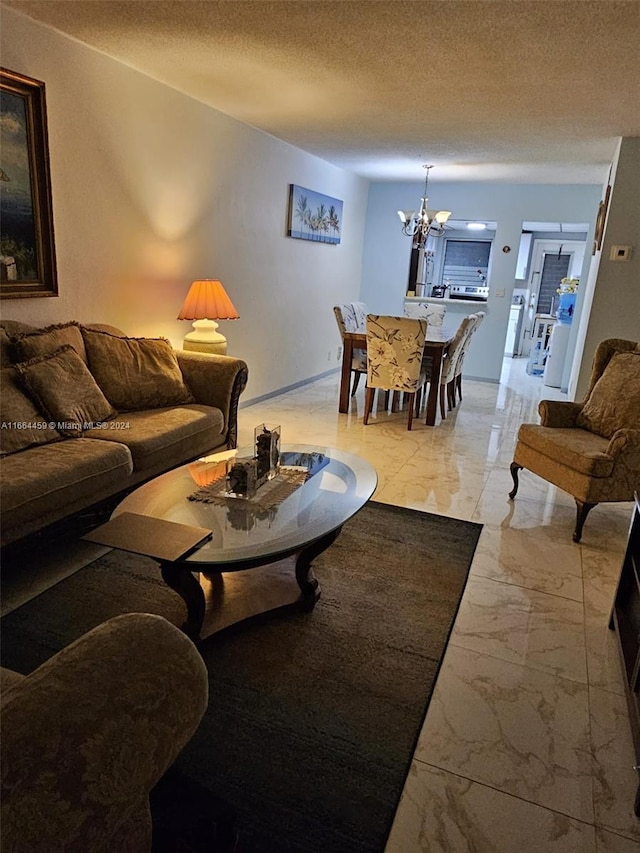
x,y
474,292
512,342
558,343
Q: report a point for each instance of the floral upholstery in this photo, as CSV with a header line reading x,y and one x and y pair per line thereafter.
x,y
589,466
433,314
351,317
395,346
88,734
452,358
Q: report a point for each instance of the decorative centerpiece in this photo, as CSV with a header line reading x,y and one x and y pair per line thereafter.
x,y
242,477
267,444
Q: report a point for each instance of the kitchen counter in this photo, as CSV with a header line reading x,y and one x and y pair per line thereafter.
x,y
435,300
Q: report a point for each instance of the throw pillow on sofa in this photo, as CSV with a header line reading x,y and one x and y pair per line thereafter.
x,y
46,341
63,388
135,373
614,402
21,424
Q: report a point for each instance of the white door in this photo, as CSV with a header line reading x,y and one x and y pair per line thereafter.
x,y
551,260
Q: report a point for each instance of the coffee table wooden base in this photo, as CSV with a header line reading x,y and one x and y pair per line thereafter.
x,y
216,599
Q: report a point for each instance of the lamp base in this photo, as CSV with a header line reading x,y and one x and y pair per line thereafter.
x,y
205,338
215,347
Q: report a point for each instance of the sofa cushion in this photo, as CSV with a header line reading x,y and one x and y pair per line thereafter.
x,y
53,480
63,388
575,448
136,373
46,341
164,438
614,402
21,424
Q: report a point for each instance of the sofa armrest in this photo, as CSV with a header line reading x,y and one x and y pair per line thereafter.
x,y
88,734
558,414
216,380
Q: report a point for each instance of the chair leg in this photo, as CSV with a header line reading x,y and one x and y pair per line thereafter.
x,y
582,511
410,402
514,474
356,382
442,412
386,401
459,385
368,404
451,394
395,401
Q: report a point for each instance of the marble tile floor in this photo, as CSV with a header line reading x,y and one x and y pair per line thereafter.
x,y
526,746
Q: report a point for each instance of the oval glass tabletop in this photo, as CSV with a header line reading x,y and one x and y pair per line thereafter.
x,y
244,531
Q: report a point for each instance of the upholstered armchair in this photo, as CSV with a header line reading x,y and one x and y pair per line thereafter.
x,y
591,449
395,346
89,733
351,317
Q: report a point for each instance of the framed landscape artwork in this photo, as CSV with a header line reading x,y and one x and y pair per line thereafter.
x,y
27,252
600,220
314,216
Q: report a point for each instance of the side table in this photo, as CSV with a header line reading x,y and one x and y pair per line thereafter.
x,y
625,620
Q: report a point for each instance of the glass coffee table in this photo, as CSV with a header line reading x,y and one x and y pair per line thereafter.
x,y
257,559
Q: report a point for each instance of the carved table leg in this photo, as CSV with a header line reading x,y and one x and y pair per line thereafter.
x,y
514,475
183,582
304,573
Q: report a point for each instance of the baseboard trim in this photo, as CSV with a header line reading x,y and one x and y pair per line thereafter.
x,y
245,403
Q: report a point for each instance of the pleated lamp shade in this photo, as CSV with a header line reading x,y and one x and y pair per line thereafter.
x,y
206,302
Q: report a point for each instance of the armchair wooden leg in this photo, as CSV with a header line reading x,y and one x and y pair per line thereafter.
x,y
514,474
459,385
368,404
583,510
356,382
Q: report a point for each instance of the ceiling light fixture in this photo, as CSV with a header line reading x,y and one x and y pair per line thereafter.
x,y
425,223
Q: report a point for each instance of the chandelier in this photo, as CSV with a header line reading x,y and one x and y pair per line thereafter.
x,y
425,223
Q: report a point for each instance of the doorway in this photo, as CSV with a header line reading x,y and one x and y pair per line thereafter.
x,y
551,260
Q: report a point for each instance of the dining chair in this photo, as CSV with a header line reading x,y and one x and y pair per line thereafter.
x,y
351,317
450,361
394,360
457,385
433,314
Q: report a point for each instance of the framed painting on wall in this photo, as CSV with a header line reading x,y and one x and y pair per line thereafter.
x,y
314,216
600,220
27,251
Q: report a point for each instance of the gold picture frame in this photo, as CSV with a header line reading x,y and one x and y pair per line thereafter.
x,y
600,220
27,251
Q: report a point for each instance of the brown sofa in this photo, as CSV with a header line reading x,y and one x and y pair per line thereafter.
x,y
87,735
88,413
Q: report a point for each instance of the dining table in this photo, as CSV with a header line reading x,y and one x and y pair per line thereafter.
x,y
436,346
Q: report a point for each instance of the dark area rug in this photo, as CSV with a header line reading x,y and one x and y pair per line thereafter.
x,y
313,717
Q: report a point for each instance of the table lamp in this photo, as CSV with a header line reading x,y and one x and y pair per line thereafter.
x,y
206,302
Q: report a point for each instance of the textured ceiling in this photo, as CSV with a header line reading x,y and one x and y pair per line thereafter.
x,y
526,90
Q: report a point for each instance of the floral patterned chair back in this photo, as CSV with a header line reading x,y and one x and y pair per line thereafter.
x,y
434,314
351,317
395,346
452,359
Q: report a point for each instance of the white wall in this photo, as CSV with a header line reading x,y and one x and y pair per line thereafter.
x,y
152,189
612,293
385,264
